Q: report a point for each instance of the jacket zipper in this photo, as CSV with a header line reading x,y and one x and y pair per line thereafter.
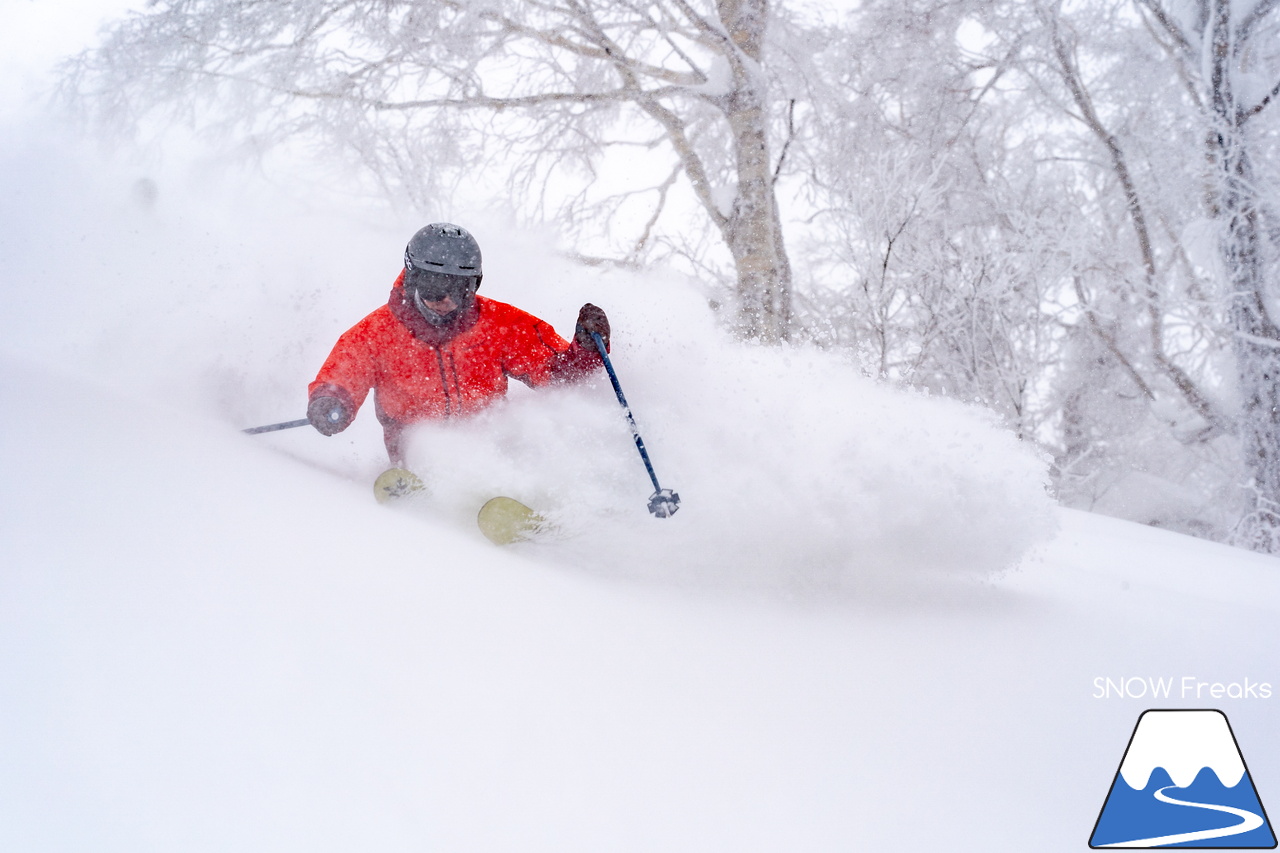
x,y
444,382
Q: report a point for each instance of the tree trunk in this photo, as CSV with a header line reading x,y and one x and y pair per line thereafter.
x,y
754,231
1256,339
1257,350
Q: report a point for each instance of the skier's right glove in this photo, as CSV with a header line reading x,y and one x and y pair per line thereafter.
x,y
328,415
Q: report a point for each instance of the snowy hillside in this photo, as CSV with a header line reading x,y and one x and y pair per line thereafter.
x,y
208,646
868,628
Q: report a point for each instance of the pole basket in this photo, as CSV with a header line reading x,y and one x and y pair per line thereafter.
x,y
664,503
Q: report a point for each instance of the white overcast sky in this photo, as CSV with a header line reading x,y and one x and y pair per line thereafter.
x,y
35,34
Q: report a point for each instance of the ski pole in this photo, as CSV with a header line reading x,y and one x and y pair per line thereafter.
x,y
663,503
273,427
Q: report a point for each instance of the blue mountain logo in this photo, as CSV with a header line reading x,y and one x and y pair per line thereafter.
x,y
1183,783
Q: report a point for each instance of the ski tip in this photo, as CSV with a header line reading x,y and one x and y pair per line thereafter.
x,y
396,483
505,520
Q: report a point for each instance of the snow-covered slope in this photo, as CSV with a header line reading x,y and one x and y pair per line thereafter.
x,y
206,646
849,638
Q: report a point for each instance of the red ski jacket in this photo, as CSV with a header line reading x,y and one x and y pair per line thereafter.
x,y
419,371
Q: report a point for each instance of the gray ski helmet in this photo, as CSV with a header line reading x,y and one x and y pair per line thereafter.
x,y
444,248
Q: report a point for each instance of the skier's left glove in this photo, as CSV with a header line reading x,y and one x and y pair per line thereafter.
x,y
591,319
328,415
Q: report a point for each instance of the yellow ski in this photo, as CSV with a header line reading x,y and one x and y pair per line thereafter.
x,y
506,520
396,483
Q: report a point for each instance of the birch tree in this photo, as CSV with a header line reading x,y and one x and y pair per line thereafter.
x,y
1228,54
430,93
1176,98
935,238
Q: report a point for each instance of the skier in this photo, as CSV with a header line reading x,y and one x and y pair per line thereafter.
x,y
437,350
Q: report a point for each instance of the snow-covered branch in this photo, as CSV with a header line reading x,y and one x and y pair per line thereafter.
x,y
534,86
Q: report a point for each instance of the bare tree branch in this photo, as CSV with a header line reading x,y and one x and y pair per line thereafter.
x,y
1251,21
1262,104
791,134
1168,25
1183,382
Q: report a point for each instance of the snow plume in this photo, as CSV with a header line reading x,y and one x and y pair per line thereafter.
x,y
794,471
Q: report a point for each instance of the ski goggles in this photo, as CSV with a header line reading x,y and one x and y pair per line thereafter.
x,y
434,286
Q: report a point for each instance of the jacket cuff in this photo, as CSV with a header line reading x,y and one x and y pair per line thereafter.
x,y
327,389
575,362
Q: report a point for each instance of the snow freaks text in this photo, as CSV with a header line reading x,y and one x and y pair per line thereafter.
x,y
1184,687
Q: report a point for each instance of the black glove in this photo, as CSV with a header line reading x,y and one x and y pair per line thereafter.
x,y
591,319
328,415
